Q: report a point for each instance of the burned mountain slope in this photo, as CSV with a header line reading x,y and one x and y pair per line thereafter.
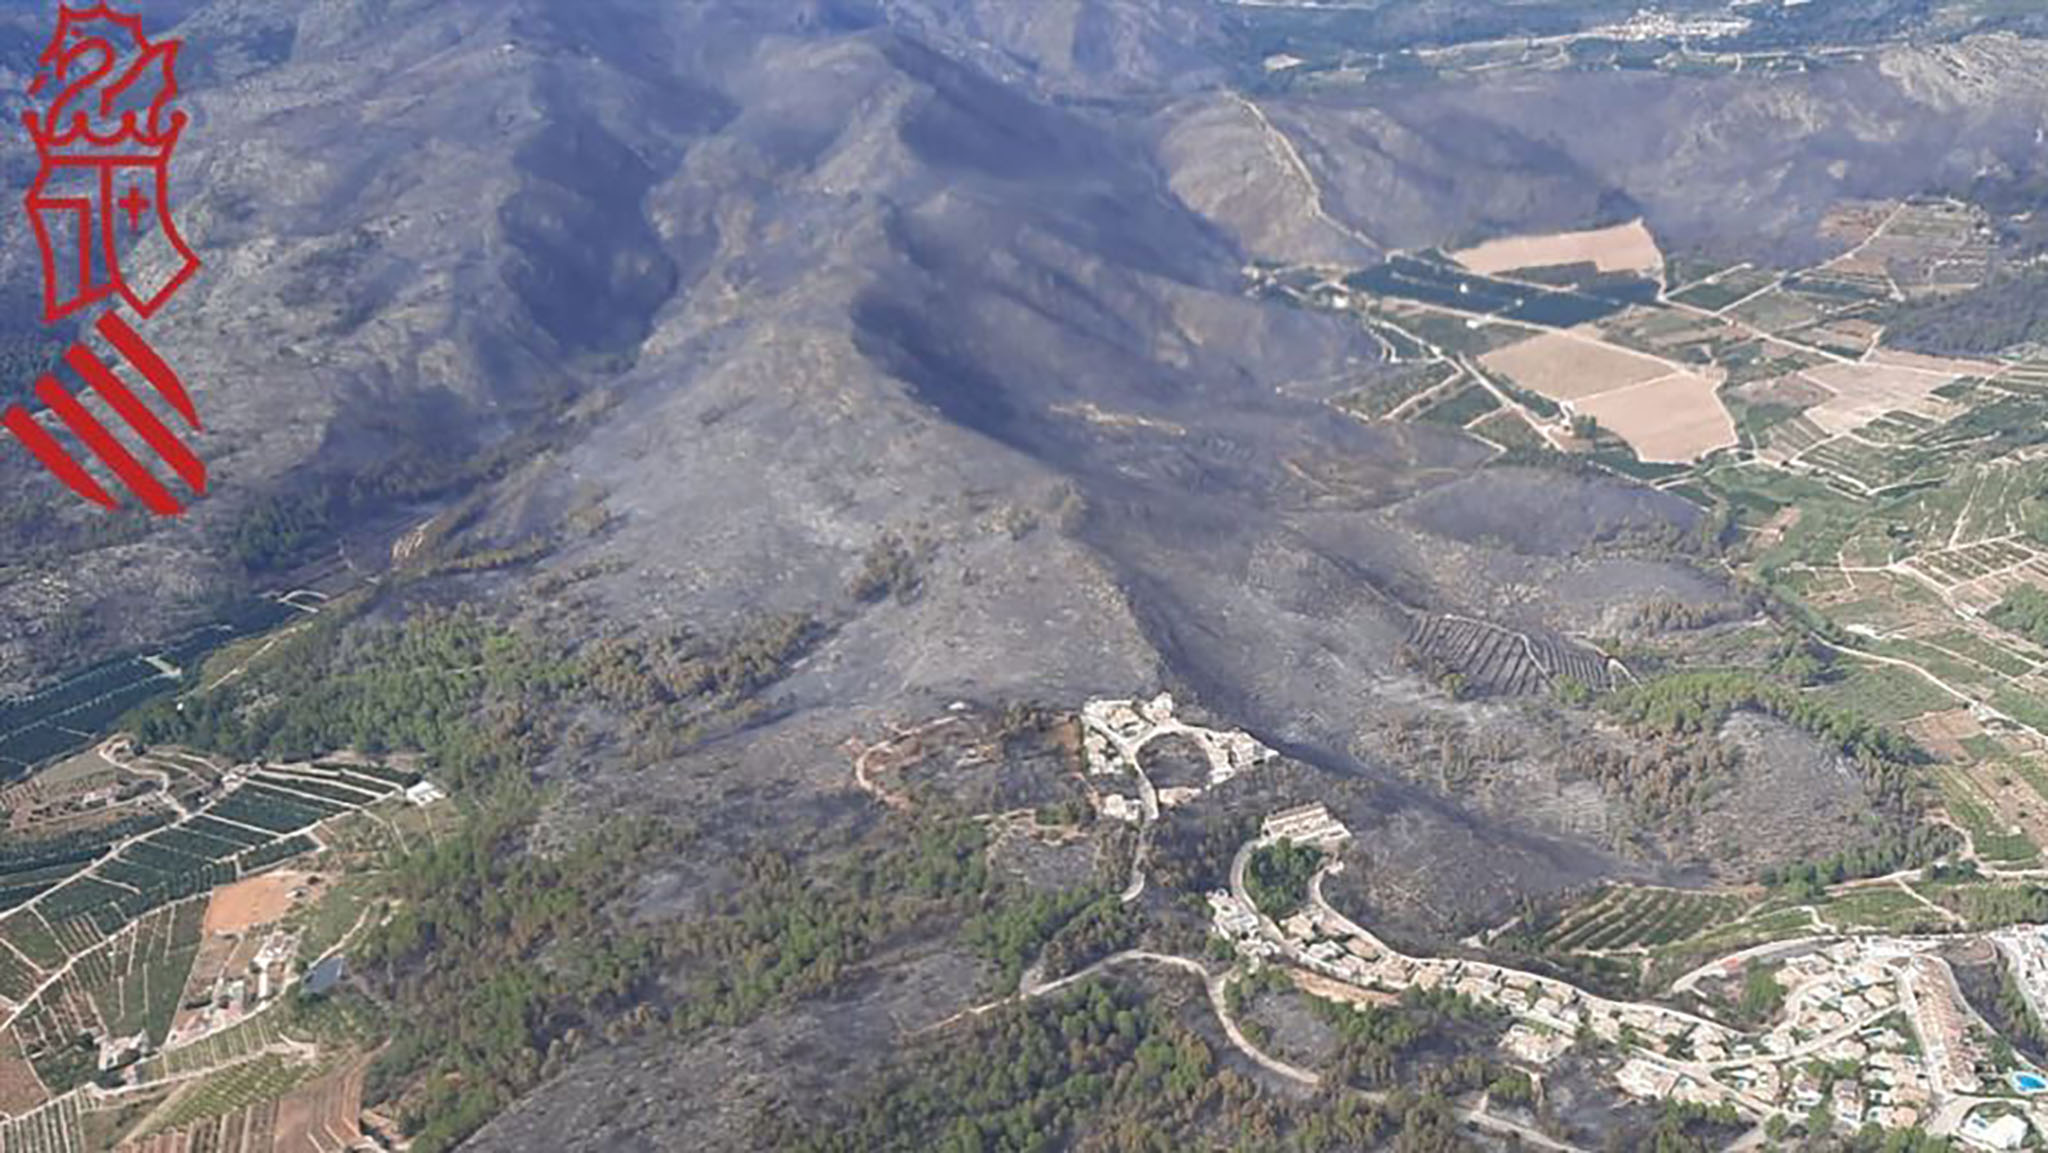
x,y
1043,400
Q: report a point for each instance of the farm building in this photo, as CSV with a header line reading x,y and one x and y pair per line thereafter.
x,y
326,975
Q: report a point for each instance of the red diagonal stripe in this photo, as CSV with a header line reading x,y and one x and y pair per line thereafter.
x,y
96,437
53,456
87,364
137,352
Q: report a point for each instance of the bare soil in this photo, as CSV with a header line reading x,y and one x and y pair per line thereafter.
x,y
258,901
1621,248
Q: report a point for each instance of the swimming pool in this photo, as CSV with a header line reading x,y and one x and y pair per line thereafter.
x,y
2029,1082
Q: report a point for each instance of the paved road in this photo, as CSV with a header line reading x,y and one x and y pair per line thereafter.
x,y
1290,156
1329,911
1148,797
1982,708
1217,985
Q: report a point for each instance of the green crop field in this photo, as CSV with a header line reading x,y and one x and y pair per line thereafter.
x,y
1756,929
60,719
1996,843
1624,917
1510,431
1461,408
1385,392
1889,910
1973,647
54,1128
2023,707
32,938
264,1078
1886,693
238,1042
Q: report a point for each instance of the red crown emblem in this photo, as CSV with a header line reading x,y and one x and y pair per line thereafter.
x,y
104,87
100,209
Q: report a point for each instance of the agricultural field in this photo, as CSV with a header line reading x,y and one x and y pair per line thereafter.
x,y
1863,466
1666,411
1491,659
322,1110
243,1041
54,1128
1878,909
1725,288
1461,408
1621,248
1885,693
147,923
1928,245
1570,367
1388,393
1676,419
275,1101
1676,334
125,987
1996,841
248,1084
62,718
1444,286
68,715
1869,390
1628,918
1510,430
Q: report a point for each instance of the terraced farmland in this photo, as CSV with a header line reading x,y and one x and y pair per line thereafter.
x,y
1623,917
231,1092
127,985
269,1102
65,716
1498,660
54,1128
68,715
1872,467
1994,841
250,829
103,946
241,1042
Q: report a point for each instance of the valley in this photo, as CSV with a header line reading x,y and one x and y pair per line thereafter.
x,y
865,575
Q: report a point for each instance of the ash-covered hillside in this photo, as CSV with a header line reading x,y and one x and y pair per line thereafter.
x,y
925,322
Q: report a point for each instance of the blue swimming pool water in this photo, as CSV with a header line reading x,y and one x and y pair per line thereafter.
x,y
2029,1082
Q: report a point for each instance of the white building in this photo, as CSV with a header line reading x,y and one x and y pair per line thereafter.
x,y
1306,825
1118,807
2006,1132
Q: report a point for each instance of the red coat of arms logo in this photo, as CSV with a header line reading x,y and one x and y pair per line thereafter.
x,y
100,206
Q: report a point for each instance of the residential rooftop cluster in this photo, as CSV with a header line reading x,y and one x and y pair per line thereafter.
x,y
1115,733
1649,24
1306,825
1872,1030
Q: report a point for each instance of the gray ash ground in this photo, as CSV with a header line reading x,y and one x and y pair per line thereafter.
x,y
1288,1025
1176,761
1791,798
981,763
1980,971
806,304
718,1092
1541,514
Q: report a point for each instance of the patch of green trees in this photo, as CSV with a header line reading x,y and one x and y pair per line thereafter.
x,y
1099,1068
1277,876
1698,703
2024,611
